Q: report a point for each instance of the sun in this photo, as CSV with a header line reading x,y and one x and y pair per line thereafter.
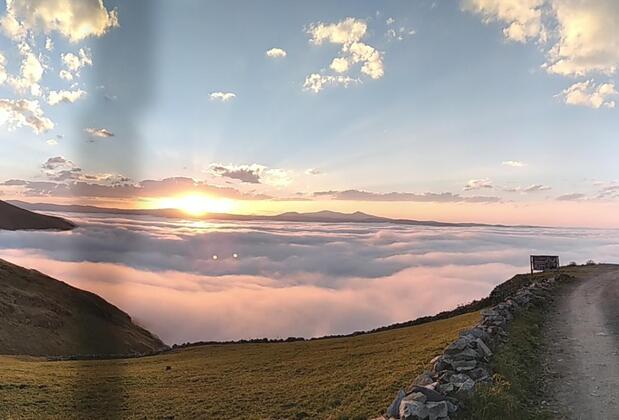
x,y
198,205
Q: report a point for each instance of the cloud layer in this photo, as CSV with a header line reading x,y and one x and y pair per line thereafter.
x,y
287,279
359,195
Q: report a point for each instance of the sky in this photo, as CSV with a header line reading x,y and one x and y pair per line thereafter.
x,y
499,111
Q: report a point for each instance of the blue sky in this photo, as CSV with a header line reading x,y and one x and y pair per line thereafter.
x,y
470,86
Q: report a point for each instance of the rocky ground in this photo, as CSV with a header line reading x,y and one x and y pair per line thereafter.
x,y
582,348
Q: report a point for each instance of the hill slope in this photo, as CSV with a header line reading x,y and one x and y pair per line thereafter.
x,y
16,218
43,316
340,378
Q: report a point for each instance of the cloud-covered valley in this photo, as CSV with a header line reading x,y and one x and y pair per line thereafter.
x,y
190,281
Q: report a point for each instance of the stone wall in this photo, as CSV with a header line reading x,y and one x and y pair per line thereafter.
x,y
438,393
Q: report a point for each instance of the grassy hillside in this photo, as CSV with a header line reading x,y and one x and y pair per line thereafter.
x,y
43,316
352,377
16,218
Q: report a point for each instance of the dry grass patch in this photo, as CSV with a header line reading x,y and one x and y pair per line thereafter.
x,y
343,378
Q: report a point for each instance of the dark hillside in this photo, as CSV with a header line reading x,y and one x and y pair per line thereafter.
x,y
16,218
43,316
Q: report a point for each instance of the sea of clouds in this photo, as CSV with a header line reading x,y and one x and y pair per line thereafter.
x,y
190,281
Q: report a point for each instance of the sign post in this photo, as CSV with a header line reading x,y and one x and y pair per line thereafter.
x,y
544,262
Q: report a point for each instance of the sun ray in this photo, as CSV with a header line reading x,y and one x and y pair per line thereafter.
x,y
197,205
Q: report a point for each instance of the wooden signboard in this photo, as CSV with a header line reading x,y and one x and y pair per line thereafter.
x,y
544,262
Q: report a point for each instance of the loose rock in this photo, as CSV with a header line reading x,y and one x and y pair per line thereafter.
x,y
394,408
413,410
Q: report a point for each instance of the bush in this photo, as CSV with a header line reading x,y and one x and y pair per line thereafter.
x,y
572,264
590,262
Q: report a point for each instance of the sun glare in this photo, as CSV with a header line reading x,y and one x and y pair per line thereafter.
x,y
198,205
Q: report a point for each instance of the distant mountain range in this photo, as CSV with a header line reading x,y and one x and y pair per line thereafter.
x,y
18,218
324,216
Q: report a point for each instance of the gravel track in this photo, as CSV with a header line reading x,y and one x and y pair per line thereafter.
x,y
582,348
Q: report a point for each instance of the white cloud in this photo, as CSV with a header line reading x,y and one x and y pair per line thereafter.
x,y
478,184
222,96
578,37
99,132
252,174
530,189
23,22
370,57
316,82
65,75
12,28
522,18
32,69
74,63
276,177
57,163
390,21
345,32
66,172
589,94
31,72
339,65
609,190
3,73
571,197
55,97
588,37
513,163
74,19
536,188
348,33
17,113
313,171
399,34
276,53
427,197
52,142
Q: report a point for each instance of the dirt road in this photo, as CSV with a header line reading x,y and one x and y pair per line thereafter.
x,y
582,348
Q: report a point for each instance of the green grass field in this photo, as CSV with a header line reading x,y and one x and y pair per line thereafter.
x,y
343,378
